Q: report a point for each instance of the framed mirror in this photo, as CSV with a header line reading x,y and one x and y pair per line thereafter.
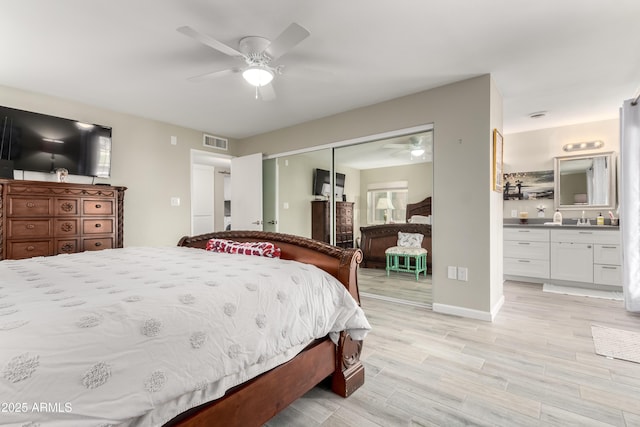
x,y
585,181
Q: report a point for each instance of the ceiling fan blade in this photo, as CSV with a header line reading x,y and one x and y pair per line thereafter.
x,y
209,41
267,93
396,145
289,38
214,75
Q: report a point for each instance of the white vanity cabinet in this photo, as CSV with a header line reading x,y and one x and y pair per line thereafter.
x,y
578,256
526,252
587,256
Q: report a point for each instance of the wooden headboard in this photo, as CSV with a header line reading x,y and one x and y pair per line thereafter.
x,y
421,208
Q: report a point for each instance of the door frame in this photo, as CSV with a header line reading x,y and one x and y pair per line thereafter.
x,y
200,157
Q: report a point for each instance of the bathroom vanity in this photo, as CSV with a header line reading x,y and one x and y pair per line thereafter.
x,y
569,255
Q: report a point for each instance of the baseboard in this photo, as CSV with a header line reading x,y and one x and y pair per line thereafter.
x,y
467,312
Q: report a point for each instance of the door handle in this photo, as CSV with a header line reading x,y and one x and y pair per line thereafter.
x,y
273,222
258,222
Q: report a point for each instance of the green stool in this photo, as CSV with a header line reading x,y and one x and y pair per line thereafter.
x,y
399,259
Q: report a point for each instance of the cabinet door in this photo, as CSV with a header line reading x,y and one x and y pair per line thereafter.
x,y
572,261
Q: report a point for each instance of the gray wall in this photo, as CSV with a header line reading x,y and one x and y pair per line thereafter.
x,y
467,215
143,160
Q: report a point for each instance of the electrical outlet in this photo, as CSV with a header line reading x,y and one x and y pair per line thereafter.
x,y
514,213
174,140
463,274
452,272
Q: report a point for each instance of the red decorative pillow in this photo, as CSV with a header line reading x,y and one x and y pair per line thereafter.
x,y
265,249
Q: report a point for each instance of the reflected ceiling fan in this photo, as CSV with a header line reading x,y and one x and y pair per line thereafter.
x,y
258,54
419,146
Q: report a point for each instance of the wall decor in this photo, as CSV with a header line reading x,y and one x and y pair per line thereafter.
x,y
528,185
497,161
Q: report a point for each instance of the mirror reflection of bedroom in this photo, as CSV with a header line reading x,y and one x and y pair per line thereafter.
x,y
396,177
379,188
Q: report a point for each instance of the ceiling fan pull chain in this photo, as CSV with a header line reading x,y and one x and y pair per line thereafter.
x,y
256,92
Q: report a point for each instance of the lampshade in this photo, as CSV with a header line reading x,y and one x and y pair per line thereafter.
x,y
384,203
258,76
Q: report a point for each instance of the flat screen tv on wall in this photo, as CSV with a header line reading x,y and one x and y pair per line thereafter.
x,y
322,184
41,143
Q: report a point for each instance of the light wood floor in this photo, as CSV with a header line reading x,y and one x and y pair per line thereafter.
x,y
397,286
535,365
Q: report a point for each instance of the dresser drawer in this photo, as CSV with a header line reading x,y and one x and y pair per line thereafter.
x,y
526,267
607,254
66,227
529,234
607,275
66,206
28,228
20,250
97,244
527,250
98,207
66,246
29,206
97,226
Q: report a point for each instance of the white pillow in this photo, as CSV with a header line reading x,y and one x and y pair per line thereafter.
x,y
420,219
409,240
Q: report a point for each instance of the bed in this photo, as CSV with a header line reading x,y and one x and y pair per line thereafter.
x,y
99,338
376,239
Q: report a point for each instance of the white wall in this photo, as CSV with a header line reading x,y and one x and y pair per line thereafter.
x,y
464,115
535,150
143,160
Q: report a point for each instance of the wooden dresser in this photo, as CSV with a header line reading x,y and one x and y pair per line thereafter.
x,y
320,224
50,218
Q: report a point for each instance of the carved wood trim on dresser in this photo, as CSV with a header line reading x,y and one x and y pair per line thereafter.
x,y
49,218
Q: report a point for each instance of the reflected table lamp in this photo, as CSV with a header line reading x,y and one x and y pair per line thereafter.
x,y
384,203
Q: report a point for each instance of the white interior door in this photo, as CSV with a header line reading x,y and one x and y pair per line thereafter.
x,y
246,192
202,199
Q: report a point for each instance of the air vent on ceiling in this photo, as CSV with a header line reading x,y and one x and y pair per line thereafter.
x,y
212,141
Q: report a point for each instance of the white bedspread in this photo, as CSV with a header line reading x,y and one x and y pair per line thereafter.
x,y
135,336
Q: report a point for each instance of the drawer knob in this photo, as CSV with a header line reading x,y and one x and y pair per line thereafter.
x,y
30,248
98,225
30,226
98,244
98,206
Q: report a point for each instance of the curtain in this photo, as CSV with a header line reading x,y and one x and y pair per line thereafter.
x,y
598,182
630,203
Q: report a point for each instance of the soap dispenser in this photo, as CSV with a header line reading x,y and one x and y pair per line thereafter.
x,y
600,219
557,217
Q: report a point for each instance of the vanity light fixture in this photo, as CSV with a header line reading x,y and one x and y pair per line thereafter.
x,y
579,146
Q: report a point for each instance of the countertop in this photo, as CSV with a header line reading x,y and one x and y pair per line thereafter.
x,y
540,223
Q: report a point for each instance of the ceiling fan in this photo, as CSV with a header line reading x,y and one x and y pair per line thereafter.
x,y
418,146
258,53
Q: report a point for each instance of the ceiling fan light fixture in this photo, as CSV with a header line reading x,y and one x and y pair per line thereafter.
x,y
258,76
417,152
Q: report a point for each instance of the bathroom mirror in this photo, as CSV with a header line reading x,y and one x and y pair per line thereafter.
x,y
585,181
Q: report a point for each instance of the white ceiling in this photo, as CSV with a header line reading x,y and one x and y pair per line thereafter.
x,y
576,59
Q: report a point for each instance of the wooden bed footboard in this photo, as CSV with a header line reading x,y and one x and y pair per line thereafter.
x,y
257,401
